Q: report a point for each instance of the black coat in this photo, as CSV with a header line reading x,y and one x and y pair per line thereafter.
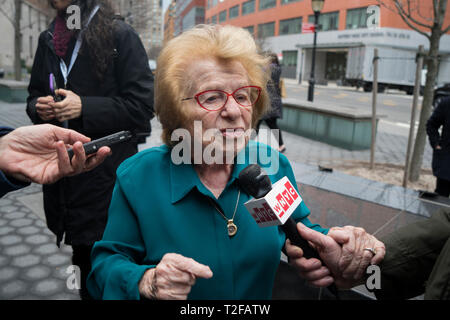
x,y
441,158
123,100
273,88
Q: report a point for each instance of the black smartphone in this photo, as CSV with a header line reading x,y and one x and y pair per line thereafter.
x,y
53,88
93,146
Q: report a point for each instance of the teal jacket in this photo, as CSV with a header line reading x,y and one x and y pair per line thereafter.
x,y
159,207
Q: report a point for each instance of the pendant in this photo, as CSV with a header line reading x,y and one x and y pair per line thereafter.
x,y
232,228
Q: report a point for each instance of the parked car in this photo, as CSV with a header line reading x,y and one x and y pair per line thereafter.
x,y
440,93
2,73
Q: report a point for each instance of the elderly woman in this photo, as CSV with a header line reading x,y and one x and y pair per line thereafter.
x,y
178,231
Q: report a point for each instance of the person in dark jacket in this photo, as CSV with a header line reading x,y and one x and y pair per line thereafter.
x,y
108,87
441,146
275,112
417,259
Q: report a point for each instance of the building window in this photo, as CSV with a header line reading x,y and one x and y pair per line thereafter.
x,y
288,1
266,4
222,16
214,19
266,30
248,7
327,21
214,3
233,12
356,18
250,29
290,26
289,64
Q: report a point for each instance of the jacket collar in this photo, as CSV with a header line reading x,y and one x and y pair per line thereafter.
x,y
49,37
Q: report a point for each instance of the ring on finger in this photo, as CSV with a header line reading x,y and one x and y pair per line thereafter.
x,y
372,250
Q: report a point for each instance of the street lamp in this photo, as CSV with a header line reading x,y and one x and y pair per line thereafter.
x,y
317,6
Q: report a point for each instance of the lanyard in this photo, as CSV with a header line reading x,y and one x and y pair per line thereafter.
x,y
64,70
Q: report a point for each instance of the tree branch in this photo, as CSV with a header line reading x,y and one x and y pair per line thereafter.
x,y
6,15
414,27
408,16
430,18
435,7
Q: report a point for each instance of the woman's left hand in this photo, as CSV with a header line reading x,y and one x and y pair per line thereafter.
x,y
69,108
355,254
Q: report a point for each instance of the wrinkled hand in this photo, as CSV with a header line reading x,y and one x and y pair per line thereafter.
x,y
69,108
330,251
44,109
173,278
39,153
355,259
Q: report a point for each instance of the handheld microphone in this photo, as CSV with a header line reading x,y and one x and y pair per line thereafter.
x,y
274,205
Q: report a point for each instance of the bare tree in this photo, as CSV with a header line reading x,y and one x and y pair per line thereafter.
x,y
427,18
12,10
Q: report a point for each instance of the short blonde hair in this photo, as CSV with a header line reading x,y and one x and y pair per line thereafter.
x,y
225,43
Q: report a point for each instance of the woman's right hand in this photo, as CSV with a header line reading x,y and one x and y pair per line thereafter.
x,y
44,110
173,278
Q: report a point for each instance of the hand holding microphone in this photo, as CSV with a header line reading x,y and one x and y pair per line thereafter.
x,y
273,205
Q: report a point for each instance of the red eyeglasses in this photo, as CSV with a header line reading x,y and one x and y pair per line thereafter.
x,y
213,100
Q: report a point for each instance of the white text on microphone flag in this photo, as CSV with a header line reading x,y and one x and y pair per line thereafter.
x,y
276,206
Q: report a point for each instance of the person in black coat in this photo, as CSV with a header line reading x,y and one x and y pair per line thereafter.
x,y
109,89
441,146
275,112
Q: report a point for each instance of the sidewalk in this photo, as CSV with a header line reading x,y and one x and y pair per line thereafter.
x,y
32,267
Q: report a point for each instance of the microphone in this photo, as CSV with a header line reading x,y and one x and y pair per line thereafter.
x,y
274,205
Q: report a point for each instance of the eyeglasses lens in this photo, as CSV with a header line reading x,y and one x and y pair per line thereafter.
x,y
214,99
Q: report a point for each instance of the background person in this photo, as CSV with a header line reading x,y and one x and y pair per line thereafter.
x,y
417,259
108,88
441,146
39,154
276,105
181,230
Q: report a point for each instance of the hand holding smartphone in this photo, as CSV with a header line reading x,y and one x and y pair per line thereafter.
x,y
93,146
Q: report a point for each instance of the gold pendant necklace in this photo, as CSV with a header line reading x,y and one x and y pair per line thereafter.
x,y
231,226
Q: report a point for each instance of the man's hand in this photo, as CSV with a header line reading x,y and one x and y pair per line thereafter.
x,y
44,109
173,278
69,108
39,153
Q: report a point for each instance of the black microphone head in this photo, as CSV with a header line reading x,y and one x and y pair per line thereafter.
x,y
255,181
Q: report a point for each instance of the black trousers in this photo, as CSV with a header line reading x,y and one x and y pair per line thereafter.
x,y
81,257
272,124
442,187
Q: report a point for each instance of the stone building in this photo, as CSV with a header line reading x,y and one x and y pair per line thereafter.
x,y
36,16
146,17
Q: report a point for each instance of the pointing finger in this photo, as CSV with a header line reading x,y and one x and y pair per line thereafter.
x,y
195,268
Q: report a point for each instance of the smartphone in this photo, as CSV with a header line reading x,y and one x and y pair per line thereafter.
x,y
93,146
53,88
